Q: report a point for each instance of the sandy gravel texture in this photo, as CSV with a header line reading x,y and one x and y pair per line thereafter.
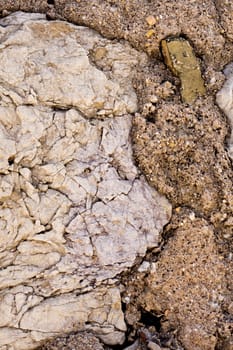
x,y
184,298
181,149
79,341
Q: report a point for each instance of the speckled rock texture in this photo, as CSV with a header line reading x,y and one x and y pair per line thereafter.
x,y
75,212
184,152
184,297
79,341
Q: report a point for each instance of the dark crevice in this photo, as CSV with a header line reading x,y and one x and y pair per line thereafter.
x,y
149,319
11,160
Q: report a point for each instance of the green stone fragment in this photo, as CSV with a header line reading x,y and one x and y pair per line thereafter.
x,y
180,58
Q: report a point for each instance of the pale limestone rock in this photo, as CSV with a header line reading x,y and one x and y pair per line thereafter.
x,y
36,72
7,149
224,99
74,210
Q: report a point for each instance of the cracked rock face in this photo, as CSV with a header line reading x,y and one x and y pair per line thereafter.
x,y
74,212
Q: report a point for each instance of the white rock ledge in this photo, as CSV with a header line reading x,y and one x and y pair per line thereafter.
x,y
224,99
74,211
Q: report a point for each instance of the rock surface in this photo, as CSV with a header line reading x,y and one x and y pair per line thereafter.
x,y
75,212
203,127
185,294
198,20
225,101
79,341
179,139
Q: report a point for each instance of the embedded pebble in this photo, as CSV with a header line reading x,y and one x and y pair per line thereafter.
x,y
180,58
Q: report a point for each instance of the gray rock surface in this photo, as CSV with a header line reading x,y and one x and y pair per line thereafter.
x,y
75,212
224,99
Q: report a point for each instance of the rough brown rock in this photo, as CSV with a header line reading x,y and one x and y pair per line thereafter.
x,y
225,10
179,139
190,299
78,341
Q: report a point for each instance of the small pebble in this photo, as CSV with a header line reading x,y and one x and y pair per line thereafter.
x,y
154,99
149,33
151,20
145,266
153,346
